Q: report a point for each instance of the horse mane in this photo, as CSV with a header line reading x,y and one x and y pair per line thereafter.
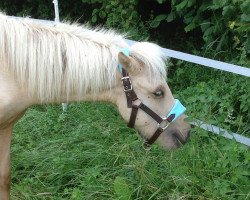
x,y
68,58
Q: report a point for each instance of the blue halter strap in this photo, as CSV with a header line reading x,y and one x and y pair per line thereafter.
x,y
126,52
135,103
177,110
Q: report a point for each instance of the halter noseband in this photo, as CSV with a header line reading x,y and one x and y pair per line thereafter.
x,y
135,103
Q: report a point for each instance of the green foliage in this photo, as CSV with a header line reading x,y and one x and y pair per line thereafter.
x,y
121,188
95,156
157,20
224,24
42,9
119,14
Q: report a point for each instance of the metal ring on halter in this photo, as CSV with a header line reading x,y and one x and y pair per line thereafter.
x,y
146,146
137,103
162,126
126,77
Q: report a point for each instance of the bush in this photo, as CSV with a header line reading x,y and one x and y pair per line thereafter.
x,y
224,24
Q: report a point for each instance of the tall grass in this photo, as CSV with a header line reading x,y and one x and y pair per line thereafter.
x,y
89,153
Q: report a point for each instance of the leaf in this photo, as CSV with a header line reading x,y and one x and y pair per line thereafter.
x,y
114,3
95,11
93,172
171,17
222,41
205,25
220,3
94,19
161,1
181,5
190,27
102,14
247,44
245,7
228,11
156,21
245,17
208,31
76,194
122,189
191,3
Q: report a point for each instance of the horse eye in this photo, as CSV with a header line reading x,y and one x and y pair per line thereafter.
x,y
158,93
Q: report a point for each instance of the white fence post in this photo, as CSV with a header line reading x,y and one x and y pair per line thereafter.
x,y
55,2
57,20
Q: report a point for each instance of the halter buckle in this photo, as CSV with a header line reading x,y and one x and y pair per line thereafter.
x,y
164,124
129,87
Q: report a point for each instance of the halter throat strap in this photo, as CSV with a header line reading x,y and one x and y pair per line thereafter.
x,y
128,89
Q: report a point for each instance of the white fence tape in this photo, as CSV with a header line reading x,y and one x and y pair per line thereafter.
x,y
208,62
221,131
205,62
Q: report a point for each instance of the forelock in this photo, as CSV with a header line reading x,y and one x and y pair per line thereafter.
x,y
152,56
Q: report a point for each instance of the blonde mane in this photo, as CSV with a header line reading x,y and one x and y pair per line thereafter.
x,y
49,60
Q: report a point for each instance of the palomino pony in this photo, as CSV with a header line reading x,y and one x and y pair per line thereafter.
x,y
42,64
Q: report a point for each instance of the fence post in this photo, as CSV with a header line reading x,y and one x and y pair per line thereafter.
x,y
55,2
57,19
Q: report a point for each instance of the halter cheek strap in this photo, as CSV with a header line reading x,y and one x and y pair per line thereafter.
x,y
135,103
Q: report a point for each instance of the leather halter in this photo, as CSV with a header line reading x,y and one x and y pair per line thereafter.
x,y
135,103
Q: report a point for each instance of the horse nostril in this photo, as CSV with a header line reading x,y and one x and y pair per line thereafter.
x,y
180,137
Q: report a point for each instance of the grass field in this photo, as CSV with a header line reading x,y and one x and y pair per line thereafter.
x,y
89,153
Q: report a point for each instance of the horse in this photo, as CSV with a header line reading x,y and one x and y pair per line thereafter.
x,y
68,62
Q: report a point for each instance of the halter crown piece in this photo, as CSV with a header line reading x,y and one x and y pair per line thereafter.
x,y
135,103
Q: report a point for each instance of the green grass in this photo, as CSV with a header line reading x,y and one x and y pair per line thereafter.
x,y
89,153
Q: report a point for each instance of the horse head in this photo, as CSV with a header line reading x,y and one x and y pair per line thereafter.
x,y
145,100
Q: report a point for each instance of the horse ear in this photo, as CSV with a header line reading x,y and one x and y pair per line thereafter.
x,y
125,61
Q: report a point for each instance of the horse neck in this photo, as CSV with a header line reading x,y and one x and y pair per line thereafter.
x,y
68,67
107,94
